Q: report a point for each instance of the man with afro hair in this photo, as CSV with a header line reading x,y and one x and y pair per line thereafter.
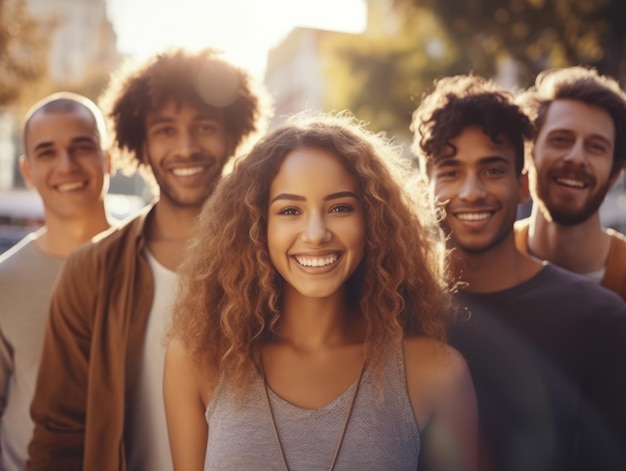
x,y
179,117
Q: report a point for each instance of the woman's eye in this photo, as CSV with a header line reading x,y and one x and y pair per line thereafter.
x,y
341,208
289,211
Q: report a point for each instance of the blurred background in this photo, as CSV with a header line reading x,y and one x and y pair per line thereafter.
x,y
374,57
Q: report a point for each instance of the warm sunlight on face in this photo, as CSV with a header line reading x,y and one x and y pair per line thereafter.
x,y
244,29
316,224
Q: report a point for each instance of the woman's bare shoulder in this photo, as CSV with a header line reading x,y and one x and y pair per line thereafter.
x,y
443,400
183,365
429,353
434,368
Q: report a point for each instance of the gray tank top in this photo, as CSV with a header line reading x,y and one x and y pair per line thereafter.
x,y
382,433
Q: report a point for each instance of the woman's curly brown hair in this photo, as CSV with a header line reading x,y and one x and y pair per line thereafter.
x,y
229,299
467,100
201,78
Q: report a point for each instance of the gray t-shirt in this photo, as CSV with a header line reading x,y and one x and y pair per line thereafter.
x,y
382,432
27,279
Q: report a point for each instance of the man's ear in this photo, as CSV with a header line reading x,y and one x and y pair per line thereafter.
x,y
615,177
108,166
523,188
25,170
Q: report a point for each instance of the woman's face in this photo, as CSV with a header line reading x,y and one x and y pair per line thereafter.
x,y
316,225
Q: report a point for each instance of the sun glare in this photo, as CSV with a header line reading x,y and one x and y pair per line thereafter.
x,y
244,29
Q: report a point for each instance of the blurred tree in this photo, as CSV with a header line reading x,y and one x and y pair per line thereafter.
x,y
536,34
381,74
22,50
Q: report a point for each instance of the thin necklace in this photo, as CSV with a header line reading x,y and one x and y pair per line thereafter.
x,y
343,430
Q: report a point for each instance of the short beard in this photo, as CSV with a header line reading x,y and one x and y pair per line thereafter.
x,y
569,218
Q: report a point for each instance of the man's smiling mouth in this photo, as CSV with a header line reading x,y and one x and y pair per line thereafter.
x,y
478,216
71,186
187,171
571,183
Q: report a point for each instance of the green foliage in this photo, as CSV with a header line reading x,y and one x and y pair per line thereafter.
x,y
381,78
22,50
537,34
382,74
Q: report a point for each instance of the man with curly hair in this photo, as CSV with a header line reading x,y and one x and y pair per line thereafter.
x,y
578,153
178,117
545,346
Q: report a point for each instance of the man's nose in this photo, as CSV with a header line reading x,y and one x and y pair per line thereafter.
x,y
472,188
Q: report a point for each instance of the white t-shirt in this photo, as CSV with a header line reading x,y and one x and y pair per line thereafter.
x,y
148,445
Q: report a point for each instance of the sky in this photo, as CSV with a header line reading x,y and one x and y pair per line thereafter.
x,y
244,29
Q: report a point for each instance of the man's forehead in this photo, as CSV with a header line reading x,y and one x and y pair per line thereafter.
x,y
41,120
175,106
576,115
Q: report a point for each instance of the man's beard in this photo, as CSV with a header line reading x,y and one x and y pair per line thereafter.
x,y
559,213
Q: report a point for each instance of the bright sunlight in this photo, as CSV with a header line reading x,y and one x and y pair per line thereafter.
x,y
244,29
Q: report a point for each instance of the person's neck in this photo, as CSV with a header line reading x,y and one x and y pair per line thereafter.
x,y
60,236
168,231
314,324
499,268
582,248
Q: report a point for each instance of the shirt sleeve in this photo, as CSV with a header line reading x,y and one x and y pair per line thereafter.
x,y
6,370
59,404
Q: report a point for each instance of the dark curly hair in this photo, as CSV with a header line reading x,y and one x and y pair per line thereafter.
x,y
200,78
581,84
467,100
230,291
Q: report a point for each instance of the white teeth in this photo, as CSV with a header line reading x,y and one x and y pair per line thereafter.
x,y
316,261
186,171
473,216
71,186
570,182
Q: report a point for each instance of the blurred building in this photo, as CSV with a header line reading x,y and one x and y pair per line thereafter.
x,y
295,72
83,42
82,51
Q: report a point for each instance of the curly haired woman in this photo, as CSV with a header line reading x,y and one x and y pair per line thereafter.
x,y
309,329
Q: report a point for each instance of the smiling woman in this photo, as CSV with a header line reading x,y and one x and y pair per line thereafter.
x,y
244,29
311,315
